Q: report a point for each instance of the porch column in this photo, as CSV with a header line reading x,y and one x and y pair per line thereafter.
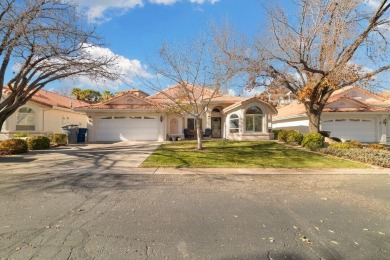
x,y
382,129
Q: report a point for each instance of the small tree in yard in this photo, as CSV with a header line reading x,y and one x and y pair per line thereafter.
x,y
323,48
44,41
197,76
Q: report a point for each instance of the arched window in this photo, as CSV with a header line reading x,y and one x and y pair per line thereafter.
x,y
234,124
25,120
216,110
254,119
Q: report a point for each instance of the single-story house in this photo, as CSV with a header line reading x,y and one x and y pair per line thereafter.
x,y
44,114
135,115
351,113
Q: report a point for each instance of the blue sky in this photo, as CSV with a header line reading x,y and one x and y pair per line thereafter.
x,y
136,29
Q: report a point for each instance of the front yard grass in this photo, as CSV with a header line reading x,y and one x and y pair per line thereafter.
x,y
241,154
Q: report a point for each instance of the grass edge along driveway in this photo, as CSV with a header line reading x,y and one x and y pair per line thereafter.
x,y
241,154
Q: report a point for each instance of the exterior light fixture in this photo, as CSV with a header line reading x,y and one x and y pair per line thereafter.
x,y
161,118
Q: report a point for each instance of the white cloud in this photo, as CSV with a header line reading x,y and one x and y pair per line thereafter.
x,y
163,2
373,3
203,1
130,69
99,11
232,92
96,10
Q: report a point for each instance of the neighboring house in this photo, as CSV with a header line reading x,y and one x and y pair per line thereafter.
x,y
134,115
44,114
352,113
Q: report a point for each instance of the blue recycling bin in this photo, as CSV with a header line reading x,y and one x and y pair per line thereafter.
x,y
81,135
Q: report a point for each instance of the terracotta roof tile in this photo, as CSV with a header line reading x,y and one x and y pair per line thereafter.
x,y
178,91
296,108
51,99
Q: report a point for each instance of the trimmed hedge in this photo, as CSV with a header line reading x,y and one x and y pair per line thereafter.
x,y
59,139
276,133
342,146
38,143
13,146
283,134
366,155
294,136
313,141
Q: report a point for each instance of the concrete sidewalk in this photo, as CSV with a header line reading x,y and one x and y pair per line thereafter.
x,y
267,171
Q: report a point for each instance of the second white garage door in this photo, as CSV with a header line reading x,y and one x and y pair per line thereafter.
x,y
362,130
127,128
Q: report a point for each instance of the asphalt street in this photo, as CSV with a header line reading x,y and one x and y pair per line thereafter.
x,y
66,212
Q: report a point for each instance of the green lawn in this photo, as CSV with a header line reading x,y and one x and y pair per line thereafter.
x,y
234,154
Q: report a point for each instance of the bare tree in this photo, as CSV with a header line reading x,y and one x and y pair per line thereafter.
x,y
197,76
328,45
42,41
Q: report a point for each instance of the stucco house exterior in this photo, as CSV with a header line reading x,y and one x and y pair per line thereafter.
x,y
44,114
352,113
135,115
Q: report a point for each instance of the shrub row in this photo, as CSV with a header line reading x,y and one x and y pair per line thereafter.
x,y
17,146
366,155
311,140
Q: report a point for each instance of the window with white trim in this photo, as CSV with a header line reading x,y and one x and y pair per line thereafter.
x,y
234,124
25,119
254,119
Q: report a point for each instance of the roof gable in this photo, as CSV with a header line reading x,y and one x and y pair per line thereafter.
x,y
345,102
358,93
184,93
253,100
127,98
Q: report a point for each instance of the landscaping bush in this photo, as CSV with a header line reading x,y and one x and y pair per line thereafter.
x,y
21,134
13,146
370,156
276,133
294,137
354,143
38,143
59,139
377,147
313,141
282,135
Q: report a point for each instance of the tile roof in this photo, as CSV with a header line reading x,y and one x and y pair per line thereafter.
x,y
296,108
51,99
179,91
143,103
247,100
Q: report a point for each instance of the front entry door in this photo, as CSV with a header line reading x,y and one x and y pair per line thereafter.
x,y
216,127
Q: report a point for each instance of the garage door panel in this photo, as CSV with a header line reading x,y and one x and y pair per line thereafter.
x,y
353,129
134,128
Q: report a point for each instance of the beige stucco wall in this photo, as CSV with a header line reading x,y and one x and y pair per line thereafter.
x,y
248,136
48,120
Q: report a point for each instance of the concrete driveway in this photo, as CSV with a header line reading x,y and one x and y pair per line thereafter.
x,y
91,157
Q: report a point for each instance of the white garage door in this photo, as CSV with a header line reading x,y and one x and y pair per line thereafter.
x,y
362,130
127,128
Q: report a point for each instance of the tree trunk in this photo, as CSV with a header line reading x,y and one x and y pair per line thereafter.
x,y
2,120
199,134
314,121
